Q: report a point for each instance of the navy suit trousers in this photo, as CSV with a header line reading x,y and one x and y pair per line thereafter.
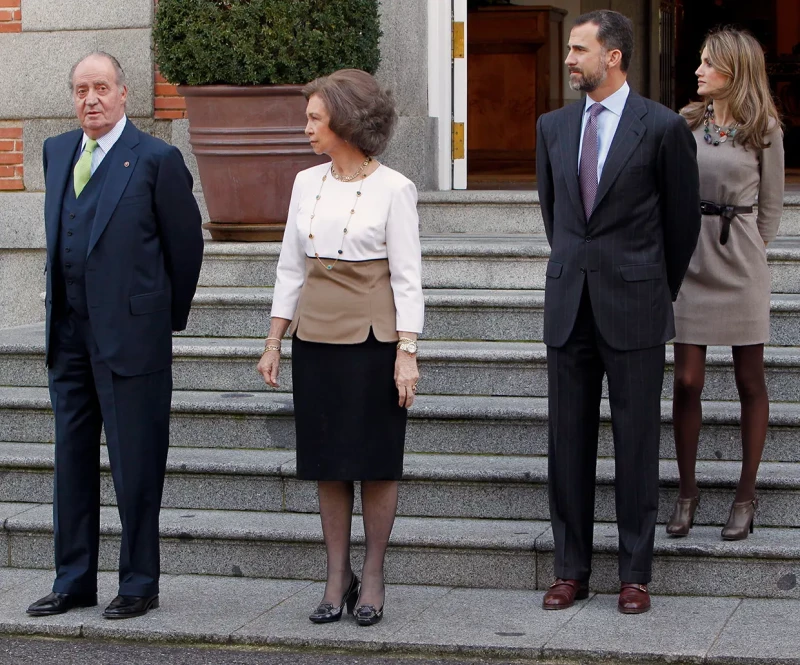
x,y
87,396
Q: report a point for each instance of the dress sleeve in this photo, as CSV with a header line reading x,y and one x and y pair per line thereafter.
x,y
291,272
770,188
405,258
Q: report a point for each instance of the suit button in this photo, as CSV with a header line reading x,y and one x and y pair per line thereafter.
x,y
67,265
583,271
588,238
69,233
69,282
66,249
72,215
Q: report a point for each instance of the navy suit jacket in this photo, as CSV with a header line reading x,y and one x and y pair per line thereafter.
x,y
634,249
145,248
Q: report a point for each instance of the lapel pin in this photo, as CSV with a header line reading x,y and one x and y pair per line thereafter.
x,y
126,164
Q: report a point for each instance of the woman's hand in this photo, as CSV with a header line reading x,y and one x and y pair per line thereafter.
x,y
269,367
406,376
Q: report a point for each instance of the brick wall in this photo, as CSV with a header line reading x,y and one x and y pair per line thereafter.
x,y
168,104
11,158
10,16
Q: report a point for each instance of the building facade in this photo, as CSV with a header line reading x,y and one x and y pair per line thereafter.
x,y
470,78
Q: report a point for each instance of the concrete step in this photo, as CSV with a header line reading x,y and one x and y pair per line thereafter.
x,y
468,486
519,212
514,369
437,424
506,554
214,620
451,314
457,262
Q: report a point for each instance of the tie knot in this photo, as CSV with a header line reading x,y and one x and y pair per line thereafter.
x,y
91,144
596,109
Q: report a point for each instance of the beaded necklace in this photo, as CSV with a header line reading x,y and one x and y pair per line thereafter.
x,y
329,266
722,132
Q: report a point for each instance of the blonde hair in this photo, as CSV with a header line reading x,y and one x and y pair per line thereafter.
x,y
739,56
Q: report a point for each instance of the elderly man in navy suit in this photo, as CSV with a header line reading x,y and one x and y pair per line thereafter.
x,y
124,249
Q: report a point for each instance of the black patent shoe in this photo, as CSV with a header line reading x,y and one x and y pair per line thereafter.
x,y
128,607
328,612
58,603
367,615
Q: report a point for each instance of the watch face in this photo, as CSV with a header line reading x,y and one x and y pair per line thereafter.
x,y
411,347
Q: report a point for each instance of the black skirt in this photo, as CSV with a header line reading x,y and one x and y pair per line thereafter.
x,y
348,422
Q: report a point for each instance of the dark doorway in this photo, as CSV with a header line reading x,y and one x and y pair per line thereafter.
x,y
776,24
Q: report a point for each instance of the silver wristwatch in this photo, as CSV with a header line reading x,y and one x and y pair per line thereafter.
x,y
407,345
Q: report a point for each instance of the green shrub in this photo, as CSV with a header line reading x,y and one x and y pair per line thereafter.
x,y
243,42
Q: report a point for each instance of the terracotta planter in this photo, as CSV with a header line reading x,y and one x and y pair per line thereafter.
x,y
249,144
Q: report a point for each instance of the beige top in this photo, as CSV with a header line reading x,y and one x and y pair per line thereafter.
x,y
377,280
725,296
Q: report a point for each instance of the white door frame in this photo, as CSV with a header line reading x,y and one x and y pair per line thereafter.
x,y
447,89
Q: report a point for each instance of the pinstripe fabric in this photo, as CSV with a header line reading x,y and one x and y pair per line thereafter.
x,y
611,279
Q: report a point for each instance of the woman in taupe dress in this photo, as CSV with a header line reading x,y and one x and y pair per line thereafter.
x,y
725,296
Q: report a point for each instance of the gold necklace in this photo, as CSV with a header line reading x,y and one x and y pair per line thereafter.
x,y
350,178
346,226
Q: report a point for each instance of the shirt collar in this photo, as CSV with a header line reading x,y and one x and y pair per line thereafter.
x,y
614,103
107,141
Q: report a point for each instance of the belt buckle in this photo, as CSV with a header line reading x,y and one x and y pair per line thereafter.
x,y
708,208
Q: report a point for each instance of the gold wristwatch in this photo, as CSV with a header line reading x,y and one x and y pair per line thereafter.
x,y
407,345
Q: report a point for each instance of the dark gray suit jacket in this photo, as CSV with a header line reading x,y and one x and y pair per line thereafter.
x,y
634,249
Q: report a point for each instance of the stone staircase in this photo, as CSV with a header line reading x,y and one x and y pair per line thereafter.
x,y
473,509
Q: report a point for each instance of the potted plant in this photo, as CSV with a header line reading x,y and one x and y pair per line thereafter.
x,y
241,65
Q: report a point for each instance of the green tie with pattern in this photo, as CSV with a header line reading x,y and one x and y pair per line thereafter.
x,y
83,169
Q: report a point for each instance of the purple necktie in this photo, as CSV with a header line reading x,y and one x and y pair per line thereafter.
x,y
588,166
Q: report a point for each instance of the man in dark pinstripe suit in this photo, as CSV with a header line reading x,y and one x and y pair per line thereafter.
x,y
618,186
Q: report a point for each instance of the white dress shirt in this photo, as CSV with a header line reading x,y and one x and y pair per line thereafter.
x,y
607,123
104,143
384,226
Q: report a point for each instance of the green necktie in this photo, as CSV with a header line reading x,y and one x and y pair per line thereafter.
x,y
83,169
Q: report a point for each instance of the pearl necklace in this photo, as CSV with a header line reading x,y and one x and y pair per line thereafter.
x,y
329,266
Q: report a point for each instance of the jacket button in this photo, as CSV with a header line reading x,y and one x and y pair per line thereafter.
x,y
67,265
69,233
66,249
588,238
72,215
583,271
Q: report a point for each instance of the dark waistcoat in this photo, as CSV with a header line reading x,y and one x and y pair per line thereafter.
x,y
75,229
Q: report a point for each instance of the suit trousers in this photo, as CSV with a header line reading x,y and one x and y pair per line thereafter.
x,y
575,377
134,410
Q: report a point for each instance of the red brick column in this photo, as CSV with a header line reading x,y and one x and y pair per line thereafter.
x,y
10,16
169,105
11,158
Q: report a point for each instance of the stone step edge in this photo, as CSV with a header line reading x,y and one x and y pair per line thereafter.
x,y
523,536
419,467
247,296
468,246
427,407
430,350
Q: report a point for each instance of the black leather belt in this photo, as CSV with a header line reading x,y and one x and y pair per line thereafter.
x,y
727,213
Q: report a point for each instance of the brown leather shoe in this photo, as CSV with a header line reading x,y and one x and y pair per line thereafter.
x,y
633,598
562,594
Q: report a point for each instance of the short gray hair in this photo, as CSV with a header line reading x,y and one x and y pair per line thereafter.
x,y
118,71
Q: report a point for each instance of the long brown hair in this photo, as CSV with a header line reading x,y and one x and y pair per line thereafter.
x,y
739,56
